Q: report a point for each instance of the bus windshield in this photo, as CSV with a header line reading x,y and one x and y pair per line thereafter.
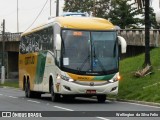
x,y
89,52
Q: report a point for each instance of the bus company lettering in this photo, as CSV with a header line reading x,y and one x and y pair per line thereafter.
x,y
29,60
83,78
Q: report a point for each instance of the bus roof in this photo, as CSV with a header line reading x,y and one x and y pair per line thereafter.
x,y
84,23
80,23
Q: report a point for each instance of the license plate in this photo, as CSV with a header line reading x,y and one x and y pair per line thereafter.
x,y
91,91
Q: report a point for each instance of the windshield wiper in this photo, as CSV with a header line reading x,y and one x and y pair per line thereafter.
x,y
95,57
84,62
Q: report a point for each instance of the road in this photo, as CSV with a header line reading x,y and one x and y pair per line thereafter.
x,y
12,99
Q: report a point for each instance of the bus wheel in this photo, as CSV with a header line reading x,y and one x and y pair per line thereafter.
x,y
54,97
28,92
101,98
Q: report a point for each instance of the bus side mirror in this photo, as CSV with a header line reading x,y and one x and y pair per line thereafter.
x,y
123,44
58,42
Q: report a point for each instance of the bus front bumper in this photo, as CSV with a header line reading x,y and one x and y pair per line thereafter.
x,y
70,88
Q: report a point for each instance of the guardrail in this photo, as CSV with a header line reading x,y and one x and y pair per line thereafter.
x,y
135,37
11,37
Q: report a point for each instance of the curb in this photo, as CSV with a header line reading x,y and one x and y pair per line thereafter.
x,y
141,102
134,101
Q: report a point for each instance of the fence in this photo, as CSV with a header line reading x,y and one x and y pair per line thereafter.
x,y
11,37
136,37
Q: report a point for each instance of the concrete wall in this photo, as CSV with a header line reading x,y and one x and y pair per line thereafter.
x,y
136,37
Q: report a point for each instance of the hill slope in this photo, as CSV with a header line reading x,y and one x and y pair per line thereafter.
x,y
143,89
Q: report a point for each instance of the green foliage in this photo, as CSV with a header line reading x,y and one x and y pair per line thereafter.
x,y
98,8
124,14
142,89
78,5
153,22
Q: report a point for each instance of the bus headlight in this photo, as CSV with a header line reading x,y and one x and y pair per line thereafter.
x,y
111,81
64,78
115,79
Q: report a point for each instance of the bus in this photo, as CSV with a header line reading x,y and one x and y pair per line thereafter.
x,y
70,57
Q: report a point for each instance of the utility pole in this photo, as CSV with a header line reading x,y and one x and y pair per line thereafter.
x,y
57,8
17,18
147,33
3,49
50,8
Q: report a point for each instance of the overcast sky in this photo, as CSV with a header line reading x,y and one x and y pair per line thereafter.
x,y
28,11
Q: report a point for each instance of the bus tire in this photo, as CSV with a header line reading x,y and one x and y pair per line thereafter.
x,y
101,98
54,97
28,92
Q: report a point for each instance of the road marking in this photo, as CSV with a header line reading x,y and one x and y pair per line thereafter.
x,y
12,97
33,101
102,118
141,105
63,108
1,94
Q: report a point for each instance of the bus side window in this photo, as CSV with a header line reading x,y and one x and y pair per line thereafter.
x,y
29,44
22,46
39,40
50,34
36,42
45,39
25,42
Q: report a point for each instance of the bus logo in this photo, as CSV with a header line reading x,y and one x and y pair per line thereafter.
x,y
91,83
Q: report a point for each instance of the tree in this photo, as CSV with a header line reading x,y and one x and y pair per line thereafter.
x,y
99,8
120,12
124,14
78,5
152,16
145,3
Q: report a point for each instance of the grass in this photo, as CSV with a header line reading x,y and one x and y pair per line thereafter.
x,y
10,84
142,89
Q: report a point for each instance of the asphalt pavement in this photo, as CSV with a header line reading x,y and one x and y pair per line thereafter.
x,y
13,100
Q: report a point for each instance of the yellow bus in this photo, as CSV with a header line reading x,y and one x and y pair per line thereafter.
x,y
69,57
